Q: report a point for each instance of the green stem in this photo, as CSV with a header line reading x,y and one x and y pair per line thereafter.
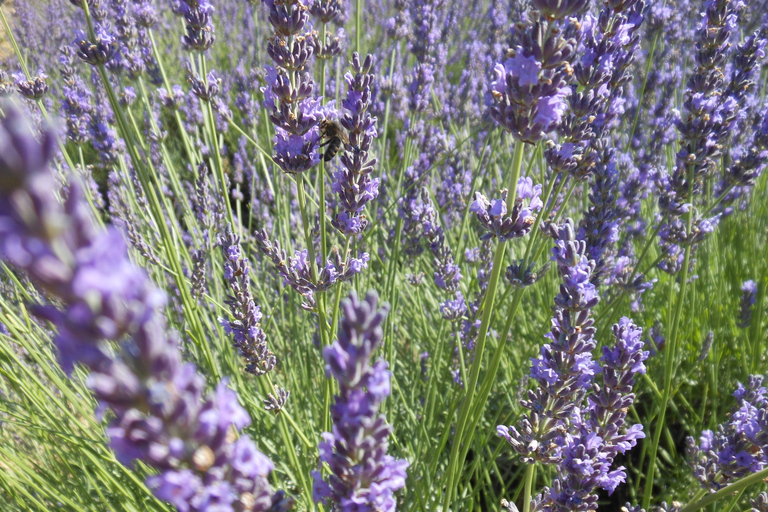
x,y
529,471
488,304
726,492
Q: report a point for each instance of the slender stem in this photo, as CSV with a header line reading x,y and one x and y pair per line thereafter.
x,y
471,385
726,492
529,471
669,362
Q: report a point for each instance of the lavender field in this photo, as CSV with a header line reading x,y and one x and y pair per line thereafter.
x,y
367,256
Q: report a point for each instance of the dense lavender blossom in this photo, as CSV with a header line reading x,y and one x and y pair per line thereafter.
x,y
528,95
493,214
362,476
197,14
600,432
288,95
739,446
34,88
250,340
295,270
564,370
352,182
748,299
705,127
161,415
98,52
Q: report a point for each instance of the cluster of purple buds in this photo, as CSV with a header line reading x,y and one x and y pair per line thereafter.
x,y
600,225
288,94
760,504
528,95
161,415
748,299
34,88
352,181
362,476
98,52
493,214
249,338
329,11
200,34
296,271
739,447
599,432
564,369
607,47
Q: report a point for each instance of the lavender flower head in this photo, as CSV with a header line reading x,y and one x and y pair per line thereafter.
x,y
288,95
564,369
352,182
493,214
739,446
161,414
250,339
362,476
528,95
748,299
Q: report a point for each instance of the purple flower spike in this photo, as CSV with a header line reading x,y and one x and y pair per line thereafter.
x,y
352,182
748,299
493,214
162,415
739,447
362,475
248,336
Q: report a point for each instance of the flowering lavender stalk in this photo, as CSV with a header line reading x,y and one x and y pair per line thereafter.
x,y
564,369
528,95
288,94
362,476
250,339
493,214
748,299
740,446
599,430
161,415
352,182
704,128
296,270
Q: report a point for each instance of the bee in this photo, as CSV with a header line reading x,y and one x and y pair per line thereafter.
x,y
334,136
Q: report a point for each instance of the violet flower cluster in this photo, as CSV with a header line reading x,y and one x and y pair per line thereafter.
x,y
706,125
493,214
200,32
288,95
362,476
528,94
748,299
249,338
161,415
739,446
352,181
296,271
599,430
564,370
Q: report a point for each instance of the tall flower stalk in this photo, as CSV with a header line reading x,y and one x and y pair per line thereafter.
x,y
362,476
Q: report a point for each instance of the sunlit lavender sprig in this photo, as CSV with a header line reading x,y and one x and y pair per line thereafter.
x,y
704,127
362,476
493,215
288,94
34,88
200,32
564,369
248,336
748,299
161,415
528,94
296,271
600,432
352,181
739,447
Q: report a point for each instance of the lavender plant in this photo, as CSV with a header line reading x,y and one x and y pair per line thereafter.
x,y
205,182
